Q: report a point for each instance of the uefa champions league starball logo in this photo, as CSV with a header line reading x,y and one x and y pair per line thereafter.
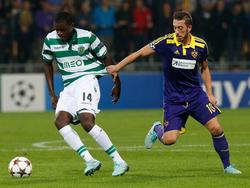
x,y
22,93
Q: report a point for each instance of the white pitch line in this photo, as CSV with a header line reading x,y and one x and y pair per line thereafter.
x,y
45,146
120,148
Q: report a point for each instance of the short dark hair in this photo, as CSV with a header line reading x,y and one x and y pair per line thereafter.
x,y
183,15
64,17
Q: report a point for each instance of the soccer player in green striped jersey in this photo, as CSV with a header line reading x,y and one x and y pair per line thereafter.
x,y
81,58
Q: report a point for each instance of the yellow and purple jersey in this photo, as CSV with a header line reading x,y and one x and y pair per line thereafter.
x,y
182,81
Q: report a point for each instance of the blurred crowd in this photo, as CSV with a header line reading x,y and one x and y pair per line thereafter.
x,y
127,25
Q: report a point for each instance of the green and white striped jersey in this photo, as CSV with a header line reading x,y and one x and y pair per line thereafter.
x,y
76,58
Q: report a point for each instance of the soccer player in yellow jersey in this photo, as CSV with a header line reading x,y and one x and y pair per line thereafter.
x,y
184,62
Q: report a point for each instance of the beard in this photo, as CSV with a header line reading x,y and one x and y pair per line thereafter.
x,y
182,39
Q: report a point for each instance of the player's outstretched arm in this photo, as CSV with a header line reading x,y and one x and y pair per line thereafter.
x,y
143,52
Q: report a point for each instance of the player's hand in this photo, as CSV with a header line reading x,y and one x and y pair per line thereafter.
x,y
54,100
212,99
112,69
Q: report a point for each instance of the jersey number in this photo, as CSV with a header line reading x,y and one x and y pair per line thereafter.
x,y
89,96
211,108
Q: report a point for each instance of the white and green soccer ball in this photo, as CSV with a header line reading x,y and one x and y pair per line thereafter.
x,y
20,167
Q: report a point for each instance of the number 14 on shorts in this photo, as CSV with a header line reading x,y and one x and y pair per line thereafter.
x,y
86,96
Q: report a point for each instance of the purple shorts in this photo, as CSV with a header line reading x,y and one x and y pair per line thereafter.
x,y
176,115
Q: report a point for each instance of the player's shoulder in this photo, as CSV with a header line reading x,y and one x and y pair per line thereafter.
x,y
52,35
165,38
83,33
200,42
51,38
169,36
198,39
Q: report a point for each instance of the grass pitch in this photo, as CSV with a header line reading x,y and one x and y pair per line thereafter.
x,y
191,162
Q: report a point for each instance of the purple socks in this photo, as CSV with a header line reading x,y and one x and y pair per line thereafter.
x,y
159,131
221,147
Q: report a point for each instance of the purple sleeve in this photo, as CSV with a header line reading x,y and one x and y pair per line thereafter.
x,y
159,45
205,54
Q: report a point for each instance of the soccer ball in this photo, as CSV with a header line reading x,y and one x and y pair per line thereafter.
x,y
20,167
